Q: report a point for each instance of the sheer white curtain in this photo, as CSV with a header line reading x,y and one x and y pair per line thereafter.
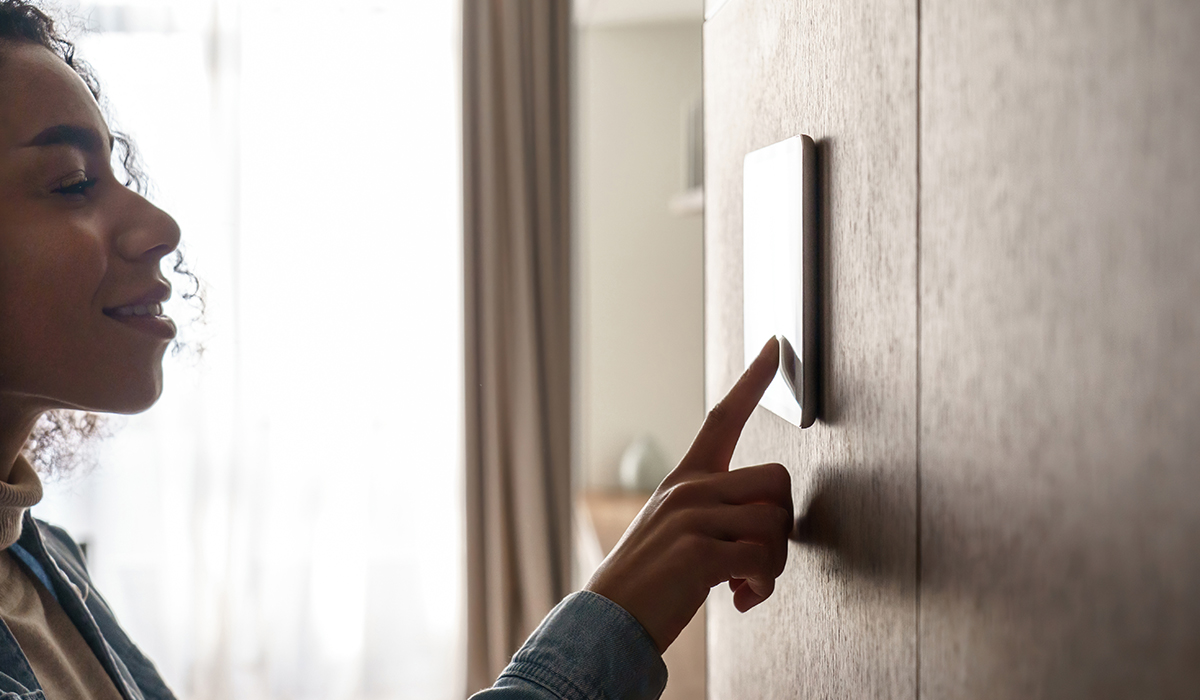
x,y
287,521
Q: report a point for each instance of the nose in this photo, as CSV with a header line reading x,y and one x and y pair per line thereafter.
x,y
146,233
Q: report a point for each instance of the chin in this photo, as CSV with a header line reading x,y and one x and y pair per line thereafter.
x,y
140,400
126,395
141,387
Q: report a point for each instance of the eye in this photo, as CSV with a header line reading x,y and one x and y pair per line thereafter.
x,y
75,184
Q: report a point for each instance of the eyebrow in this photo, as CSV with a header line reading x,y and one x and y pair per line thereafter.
x,y
82,137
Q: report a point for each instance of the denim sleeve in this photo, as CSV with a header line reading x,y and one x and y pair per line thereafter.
x,y
587,648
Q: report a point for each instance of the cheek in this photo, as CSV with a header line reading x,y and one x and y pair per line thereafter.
x,y
48,306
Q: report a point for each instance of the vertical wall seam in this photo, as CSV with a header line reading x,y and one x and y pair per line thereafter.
x,y
917,236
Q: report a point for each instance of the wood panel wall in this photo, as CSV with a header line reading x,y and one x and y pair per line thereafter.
x,y
1060,349
1004,486
842,620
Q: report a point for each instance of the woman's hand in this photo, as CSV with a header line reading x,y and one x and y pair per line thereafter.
x,y
705,524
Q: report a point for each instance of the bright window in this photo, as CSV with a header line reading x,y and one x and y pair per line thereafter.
x,y
287,521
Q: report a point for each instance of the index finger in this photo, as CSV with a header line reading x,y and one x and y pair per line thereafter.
x,y
713,447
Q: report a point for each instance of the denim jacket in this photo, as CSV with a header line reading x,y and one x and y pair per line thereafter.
x,y
54,558
587,648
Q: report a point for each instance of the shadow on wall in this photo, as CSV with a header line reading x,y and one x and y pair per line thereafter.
x,y
1008,578
859,524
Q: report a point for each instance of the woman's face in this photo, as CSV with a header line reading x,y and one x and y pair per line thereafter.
x,y
80,284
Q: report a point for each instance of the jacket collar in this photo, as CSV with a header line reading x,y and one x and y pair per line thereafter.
x,y
66,570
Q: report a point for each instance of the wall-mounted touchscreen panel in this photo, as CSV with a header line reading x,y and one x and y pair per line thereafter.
x,y
779,232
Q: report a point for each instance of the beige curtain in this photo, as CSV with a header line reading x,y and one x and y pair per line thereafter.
x,y
517,259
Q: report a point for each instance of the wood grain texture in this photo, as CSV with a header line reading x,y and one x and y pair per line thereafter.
x,y
842,620
1060,349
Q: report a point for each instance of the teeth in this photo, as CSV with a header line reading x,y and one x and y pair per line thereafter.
x,y
139,310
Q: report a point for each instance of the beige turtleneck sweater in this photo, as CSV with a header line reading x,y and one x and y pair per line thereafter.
x,y
61,659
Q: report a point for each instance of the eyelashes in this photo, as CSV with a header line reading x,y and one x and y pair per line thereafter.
x,y
76,184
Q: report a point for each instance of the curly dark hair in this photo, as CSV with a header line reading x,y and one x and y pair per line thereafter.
x,y
57,443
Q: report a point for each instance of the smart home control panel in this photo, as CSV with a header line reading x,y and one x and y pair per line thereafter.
x,y
779,257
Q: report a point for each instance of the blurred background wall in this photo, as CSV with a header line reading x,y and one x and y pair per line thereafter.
x,y
639,344
639,263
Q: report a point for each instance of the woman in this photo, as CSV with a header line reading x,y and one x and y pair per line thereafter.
x,y
82,329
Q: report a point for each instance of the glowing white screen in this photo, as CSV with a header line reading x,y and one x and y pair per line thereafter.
x,y
772,274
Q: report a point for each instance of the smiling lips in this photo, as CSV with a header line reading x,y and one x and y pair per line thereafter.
x,y
136,310
146,314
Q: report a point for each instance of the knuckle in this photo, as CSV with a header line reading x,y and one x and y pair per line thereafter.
x,y
780,562
780,483
784,516
668,497
681,495
718,415
780,477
